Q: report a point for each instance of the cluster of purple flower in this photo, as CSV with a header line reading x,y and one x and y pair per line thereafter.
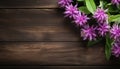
x,y
115,2
80,19
101,17
64,3
116,48
91,31
115,35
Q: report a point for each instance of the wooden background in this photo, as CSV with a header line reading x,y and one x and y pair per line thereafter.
x,y
35,34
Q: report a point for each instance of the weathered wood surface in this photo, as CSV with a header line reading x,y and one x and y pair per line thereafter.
x,y
28,4
50,53
32,17
35,25
59,67
35,32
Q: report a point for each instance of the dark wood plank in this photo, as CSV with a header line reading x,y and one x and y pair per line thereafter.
x,y
28,3
36,25
60,67
32,17
40,33
50,53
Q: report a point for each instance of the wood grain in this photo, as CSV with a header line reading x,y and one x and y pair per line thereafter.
x,y
40,33
28,4
60,67
32,17
50,53
36,25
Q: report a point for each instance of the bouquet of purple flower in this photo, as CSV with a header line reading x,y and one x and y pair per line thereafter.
x,y
97,19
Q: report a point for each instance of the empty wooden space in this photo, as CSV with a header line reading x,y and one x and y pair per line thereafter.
x,y
35,32
50,53
28,4
35,25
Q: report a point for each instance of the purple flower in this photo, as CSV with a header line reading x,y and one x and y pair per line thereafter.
x,y
81,19
88,32
64,3
71,11
115,31
115,2
100,15
103,29
116,48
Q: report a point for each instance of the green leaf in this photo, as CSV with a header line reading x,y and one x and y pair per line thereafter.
x,y
90,43
108,47
84,9
90,5
101,4
80,0
114,18
107,52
